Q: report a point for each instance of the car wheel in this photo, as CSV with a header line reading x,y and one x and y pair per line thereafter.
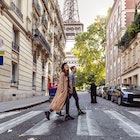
x,y
119,101
112,99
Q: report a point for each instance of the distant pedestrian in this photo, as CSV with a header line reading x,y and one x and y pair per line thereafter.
x,y
61,93
93,93
73,88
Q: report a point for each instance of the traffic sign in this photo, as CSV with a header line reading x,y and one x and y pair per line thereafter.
x,y
1,60
2,48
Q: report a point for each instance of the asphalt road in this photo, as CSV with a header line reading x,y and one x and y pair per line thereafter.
x,y
103,121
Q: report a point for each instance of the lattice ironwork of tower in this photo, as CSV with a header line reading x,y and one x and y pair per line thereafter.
x,y
72,26
71,19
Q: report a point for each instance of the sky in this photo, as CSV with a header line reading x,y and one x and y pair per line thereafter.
x,y
89,9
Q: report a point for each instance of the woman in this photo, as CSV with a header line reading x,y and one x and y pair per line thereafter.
x,y
61,93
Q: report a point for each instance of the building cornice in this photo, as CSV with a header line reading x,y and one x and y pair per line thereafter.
x,y
5,11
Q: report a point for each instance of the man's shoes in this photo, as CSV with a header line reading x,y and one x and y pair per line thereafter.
x,y
94,102
80,112
59,113
68,117
47,115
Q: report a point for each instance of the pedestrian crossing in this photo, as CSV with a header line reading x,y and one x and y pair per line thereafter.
x,y
87,125
130,127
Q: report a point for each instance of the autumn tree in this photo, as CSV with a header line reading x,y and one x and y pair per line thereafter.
x,y
90,50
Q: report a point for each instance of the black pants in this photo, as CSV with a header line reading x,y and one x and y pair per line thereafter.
x,y
93,97
75,96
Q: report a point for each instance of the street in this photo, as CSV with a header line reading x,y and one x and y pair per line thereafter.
x,y
103,121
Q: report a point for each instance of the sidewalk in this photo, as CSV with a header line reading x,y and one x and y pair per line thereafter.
x,y
21,104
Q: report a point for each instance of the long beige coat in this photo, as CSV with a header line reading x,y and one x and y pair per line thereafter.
x,y
61,94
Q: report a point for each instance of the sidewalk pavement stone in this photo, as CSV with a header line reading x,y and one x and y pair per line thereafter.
x,y
21,104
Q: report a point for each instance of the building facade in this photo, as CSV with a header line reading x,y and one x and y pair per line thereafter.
x,y
34,39
121,16
131,62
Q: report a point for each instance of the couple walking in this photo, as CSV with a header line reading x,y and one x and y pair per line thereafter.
x,y
66,89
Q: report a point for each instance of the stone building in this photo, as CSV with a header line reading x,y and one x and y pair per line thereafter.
x,y
34,38
131,62
121,16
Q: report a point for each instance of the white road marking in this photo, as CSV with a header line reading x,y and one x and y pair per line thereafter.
x,y
131,128
137,113
87,126
3,115
18,120
43,126
82,128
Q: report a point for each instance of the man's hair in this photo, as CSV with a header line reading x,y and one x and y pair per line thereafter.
x,y
72,67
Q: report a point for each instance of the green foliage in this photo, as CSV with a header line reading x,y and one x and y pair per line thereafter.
x,y
130,33
91,53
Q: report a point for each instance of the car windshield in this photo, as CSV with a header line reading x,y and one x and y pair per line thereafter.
x,y
131,87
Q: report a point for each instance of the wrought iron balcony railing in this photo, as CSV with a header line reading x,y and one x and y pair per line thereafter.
x,y
38,35
15,47
15,8
37,6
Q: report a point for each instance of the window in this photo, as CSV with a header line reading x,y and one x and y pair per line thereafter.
x,y
43,84
14,77
15,36
34,80
16,6
17,3
15,40
43,65
34,57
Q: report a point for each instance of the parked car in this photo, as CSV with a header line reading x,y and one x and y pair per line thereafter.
x,y
126,94
105,91
108,92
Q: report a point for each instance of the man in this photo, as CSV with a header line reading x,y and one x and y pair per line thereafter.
x,y
72,82
93,93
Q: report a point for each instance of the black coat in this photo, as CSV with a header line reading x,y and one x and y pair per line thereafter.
x,y
93,89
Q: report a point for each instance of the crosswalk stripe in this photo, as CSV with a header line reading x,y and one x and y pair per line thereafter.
x,y
16,121
137,113
88,126
3,115
43,126
131,128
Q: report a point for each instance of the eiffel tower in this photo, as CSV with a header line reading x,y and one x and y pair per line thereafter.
x,y
72,27
71,19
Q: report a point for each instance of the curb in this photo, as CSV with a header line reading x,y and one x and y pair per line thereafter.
x,y
25,107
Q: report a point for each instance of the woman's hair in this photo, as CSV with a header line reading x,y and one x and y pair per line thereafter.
x,y
63,69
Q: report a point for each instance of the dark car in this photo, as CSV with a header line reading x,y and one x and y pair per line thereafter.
x,y
105,91
108,92
126,94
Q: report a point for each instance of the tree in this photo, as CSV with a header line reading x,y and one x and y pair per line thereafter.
x,y
89,48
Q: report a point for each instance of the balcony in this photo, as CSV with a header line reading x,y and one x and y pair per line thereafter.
x,y
15,47
44,21
18,12
37,7
45,2
37,34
